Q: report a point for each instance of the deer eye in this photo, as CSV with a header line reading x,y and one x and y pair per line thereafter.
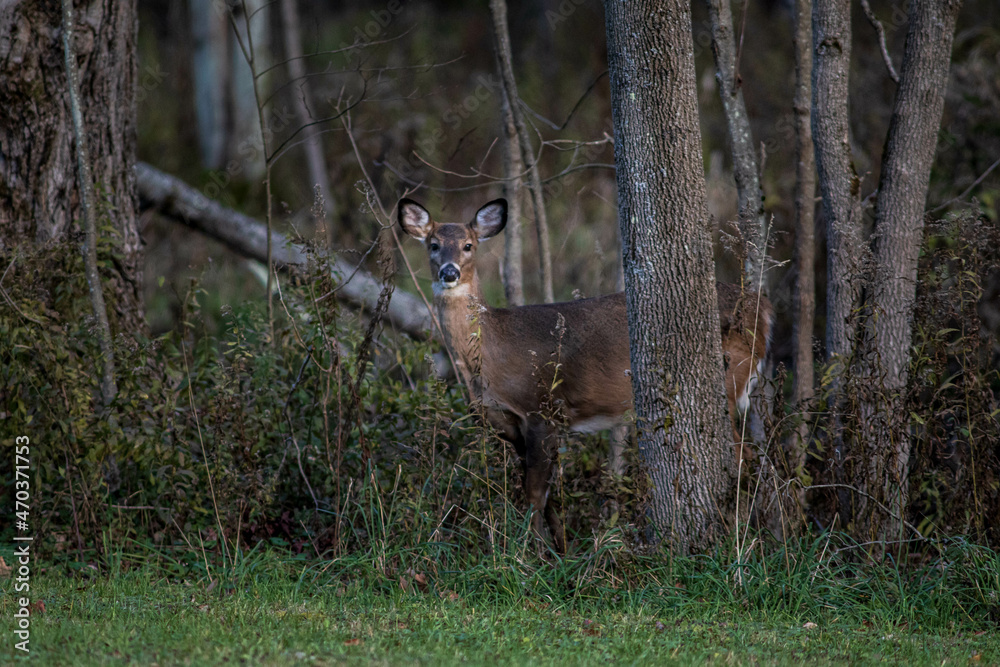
x,y
468,247
434,247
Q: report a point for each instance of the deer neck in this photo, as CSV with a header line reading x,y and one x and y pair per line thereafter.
x,y
462,312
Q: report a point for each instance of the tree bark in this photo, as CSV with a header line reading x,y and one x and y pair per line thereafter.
x,y
677,370
513,168
39,198
838,182
498,9
178,201
899,225
805,208
312,140
745,170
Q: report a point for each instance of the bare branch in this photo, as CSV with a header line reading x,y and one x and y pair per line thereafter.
x,y
881,39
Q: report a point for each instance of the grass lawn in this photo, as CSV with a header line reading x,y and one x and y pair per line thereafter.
x,y
276,613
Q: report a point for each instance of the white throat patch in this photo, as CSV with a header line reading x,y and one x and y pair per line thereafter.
x,y
443,289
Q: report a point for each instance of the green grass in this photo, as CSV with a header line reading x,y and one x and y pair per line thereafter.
x,y
276,610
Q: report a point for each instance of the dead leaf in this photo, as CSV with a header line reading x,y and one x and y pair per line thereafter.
x,y
809,625
591,628
450,596
404,584
37,607
353,642
5,569
418,578
976,657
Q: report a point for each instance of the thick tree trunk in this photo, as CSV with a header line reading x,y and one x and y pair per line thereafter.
x,y
838,182
498,9
899,225
745,170
39,198
677,371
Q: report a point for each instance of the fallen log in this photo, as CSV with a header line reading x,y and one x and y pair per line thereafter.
x,y
173,198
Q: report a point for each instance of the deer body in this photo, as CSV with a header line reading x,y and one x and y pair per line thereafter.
x,y
541,367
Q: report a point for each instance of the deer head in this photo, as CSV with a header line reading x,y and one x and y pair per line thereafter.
x,y
451,246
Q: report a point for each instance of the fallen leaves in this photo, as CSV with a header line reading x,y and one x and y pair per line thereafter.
x,y
5,569
809,625
413,579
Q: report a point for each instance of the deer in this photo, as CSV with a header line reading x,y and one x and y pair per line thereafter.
x,y
538,368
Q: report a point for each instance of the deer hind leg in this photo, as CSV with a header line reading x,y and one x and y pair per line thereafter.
x,y
738,374
540,448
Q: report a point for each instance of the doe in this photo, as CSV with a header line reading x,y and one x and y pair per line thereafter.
x,y
536,367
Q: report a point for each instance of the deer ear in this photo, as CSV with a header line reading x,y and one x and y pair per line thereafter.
x,y
490,219
414,219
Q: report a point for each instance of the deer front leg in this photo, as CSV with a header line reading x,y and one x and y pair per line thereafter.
x,y
539,457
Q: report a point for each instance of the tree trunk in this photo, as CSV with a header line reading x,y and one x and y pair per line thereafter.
x,y
899,225
312,140
246,128
838,183
39,198
677,371
513,167
210,73
498,8
753,224
805,208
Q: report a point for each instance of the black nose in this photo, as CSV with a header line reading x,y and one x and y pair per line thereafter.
x,y
449,273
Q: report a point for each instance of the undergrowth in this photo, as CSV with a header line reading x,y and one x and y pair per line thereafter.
x,y
224,443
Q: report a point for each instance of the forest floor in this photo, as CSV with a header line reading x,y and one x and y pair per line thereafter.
x,y
141,617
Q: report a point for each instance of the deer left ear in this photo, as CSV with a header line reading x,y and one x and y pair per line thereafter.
x,y
414,219
490,219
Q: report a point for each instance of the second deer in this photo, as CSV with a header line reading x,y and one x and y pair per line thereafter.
x,y
542,367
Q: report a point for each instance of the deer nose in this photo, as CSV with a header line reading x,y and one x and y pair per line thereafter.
x,y
449,273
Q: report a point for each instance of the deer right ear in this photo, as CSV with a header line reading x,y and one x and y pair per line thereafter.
x,y
414,219
491,219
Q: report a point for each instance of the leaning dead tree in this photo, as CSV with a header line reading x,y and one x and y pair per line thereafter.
x,y
175,199
753,223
